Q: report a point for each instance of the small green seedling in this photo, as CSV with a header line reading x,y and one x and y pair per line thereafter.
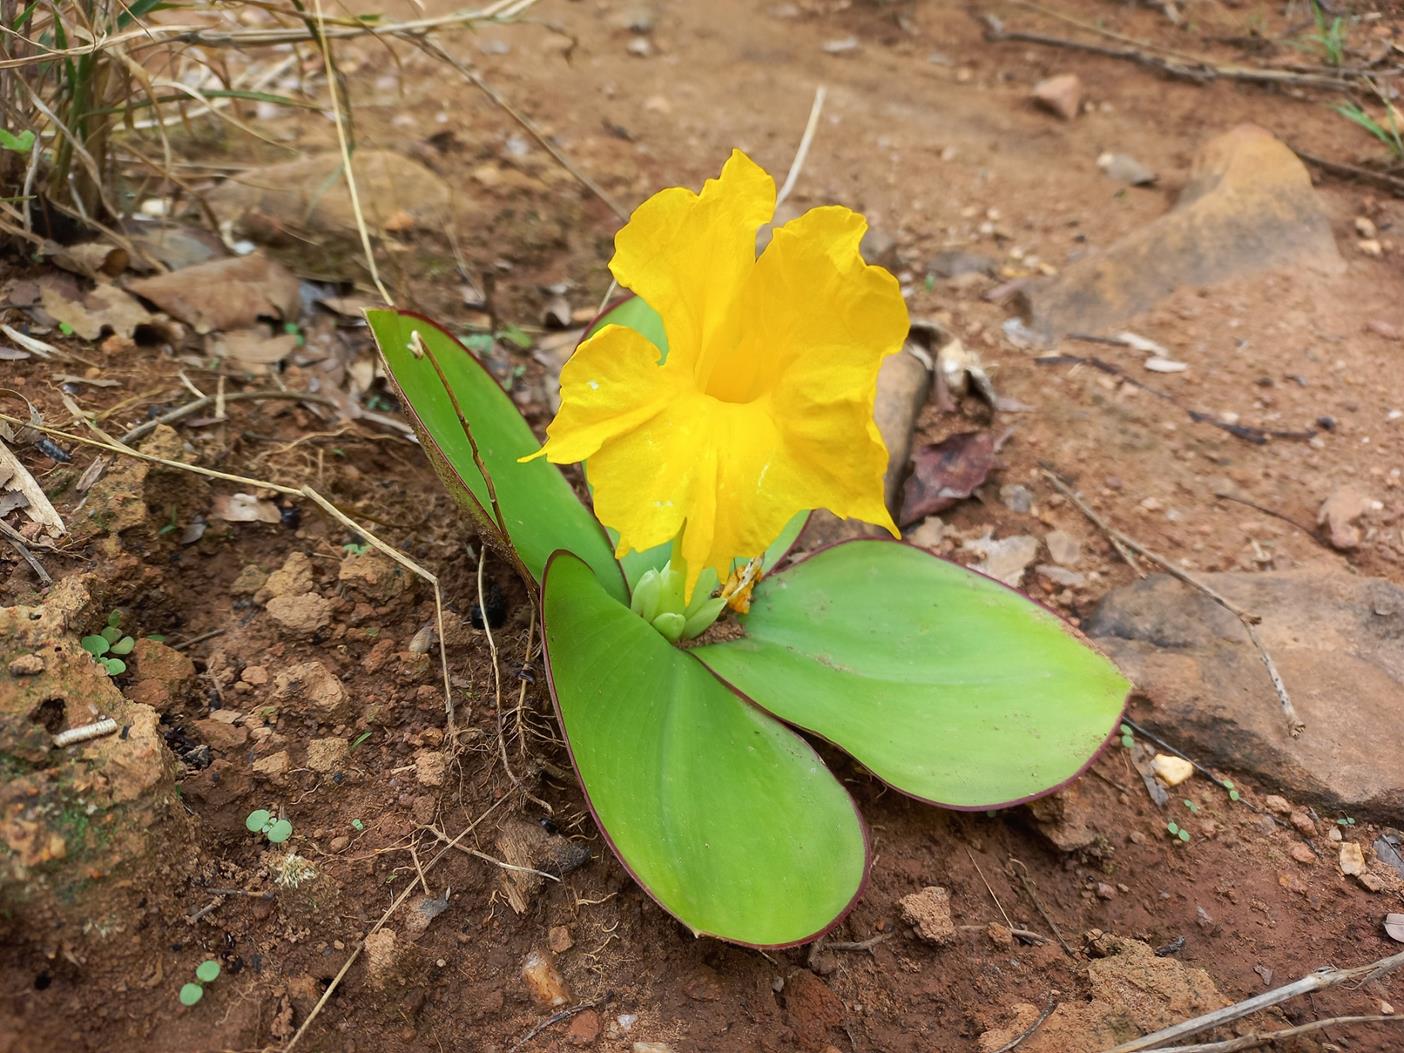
x,y
261,821
360,740
1193,808
1347,821
19,144
357,825
1127,739
1233,793
206,972
106,646
1176,830
355,548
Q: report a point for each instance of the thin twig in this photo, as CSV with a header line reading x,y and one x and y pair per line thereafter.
x,y
556,1018
344,142
395,904
1101,524
516,868
18,540
1002,913
526,122
1024,934
859,945
1028,1031
1316,981
1365,175
1264,1038
802,152
147,427
1023,875
1295,725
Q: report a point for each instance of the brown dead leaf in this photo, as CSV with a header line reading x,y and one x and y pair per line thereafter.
x,y
1394,927
244,508
94,312
254,347
946,472
15,477
90,258
225,294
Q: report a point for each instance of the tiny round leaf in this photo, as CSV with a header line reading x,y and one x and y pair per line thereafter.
x,y
257,820
97,646
115,666
280,831
123,646
111,634
207,970
191,993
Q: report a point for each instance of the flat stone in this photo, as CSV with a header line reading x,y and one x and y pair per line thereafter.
x,y
314,685
326,755
291,579
1352,859
302,615
273,765
1006,559
1338,642
1063,548
1248,206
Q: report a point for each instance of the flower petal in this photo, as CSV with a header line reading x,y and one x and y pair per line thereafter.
x,y
688,254
611,385
825,320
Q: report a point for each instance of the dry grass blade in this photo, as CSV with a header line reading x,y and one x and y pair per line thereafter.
x,y
15,476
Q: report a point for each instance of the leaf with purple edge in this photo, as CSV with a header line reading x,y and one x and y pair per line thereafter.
x,y
540,510
726,817
944,683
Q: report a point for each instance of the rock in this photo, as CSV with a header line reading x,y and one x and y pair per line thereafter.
x,y
1339,514
544,982
163,676
1170,769
1302,853
584,1029
1387,851
1249,205
302,615
927,533
420,911
1065,819
1131,992
1017,498
1338,642
273,766
559,939
222,736
929,913
1280,805
430,767
423,809
233,293
26,665
254,675
288,200
250,580
1004,560
1352,859
313,685
651,1047
1304,823
1063,548
1060,95
1370,882
293,578
327,755
1126,169
380,957
879,247
1000,936
374,575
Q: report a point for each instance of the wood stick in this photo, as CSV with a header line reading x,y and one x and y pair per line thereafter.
x,y
1316,981
1263,1038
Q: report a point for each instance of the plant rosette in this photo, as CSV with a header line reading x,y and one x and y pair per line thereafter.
x,y
713,409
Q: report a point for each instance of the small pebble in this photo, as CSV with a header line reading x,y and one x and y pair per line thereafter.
x,y
1302,854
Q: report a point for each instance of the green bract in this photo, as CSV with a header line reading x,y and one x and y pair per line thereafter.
x,y
944,684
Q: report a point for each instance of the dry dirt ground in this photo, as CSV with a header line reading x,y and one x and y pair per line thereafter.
x,y
929,130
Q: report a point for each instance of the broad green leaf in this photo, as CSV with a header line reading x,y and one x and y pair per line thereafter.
x,y
942,682
725,816
114,666
123,645
97,646
207,971
540,510
279,832
257,820
191,993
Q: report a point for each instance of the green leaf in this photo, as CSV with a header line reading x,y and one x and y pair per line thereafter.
x,y
280,831
637,564
257,820
207,971
539,508
191,993
124,645
19,144
114,666
97,646
112,633
726,817
942,682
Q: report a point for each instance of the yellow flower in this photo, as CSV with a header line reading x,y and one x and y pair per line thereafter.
x,y
764,405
